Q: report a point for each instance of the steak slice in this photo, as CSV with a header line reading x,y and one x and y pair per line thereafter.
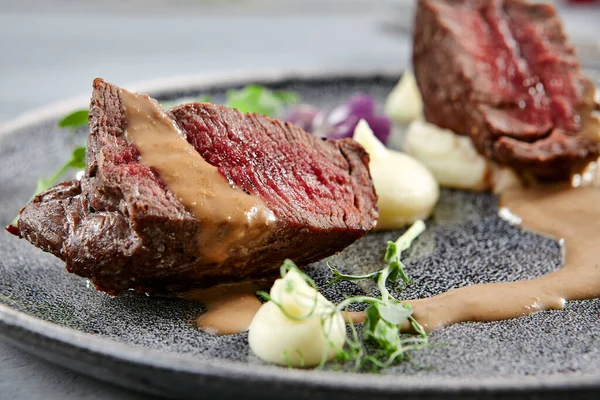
x,y
122,227
503,73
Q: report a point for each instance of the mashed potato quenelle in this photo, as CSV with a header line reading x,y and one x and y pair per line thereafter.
x,y
407,190
451,158
297,327
404,103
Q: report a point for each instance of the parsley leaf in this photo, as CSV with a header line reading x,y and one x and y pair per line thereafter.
x,y
75,119
260,100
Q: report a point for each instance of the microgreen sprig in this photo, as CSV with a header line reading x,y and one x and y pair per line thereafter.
x,y
392,255
382,343
385,315
77,161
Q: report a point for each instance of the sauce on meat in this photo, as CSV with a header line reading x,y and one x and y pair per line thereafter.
x,y
229,218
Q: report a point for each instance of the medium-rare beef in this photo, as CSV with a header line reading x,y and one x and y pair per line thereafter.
x,y
123,226
503,72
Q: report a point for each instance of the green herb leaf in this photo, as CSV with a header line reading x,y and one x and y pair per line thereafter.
x,y
372,313
77,158
394,312
397,270
260,100
385,335
75,119
77,161
287,97
384,315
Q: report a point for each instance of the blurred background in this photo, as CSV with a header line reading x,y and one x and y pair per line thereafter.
x,y
52,49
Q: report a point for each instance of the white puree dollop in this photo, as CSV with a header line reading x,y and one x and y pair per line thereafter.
x,y
302,339
407,190
451,158
404,103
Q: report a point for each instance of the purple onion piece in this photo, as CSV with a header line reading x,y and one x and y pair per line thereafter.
x,y
381,125
361,105
344,129
306,117
338,115
342,120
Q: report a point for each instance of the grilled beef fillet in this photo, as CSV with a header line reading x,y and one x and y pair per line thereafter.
x,y
123,227
504,73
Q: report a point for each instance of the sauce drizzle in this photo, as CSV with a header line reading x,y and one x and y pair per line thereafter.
x,y
568,214
229,307
229,218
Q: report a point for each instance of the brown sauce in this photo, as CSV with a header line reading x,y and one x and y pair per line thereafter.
x,y
229,217
569,215
229,308
354,317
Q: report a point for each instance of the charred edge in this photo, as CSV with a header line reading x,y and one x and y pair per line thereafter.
x,y
14,230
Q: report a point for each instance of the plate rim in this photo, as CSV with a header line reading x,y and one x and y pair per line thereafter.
x,y
48,334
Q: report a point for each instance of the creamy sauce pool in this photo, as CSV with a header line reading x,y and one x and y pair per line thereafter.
x,y
229,217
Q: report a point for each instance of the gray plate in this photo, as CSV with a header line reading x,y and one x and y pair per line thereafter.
x,y
150,344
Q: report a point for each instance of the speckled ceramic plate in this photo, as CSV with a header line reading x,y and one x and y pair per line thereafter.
x,y
151,345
